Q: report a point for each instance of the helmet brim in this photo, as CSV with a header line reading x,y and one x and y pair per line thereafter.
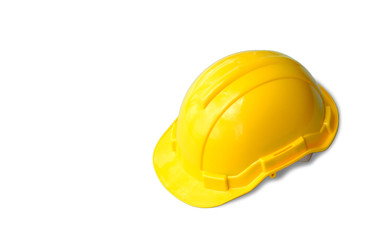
x,y
184,186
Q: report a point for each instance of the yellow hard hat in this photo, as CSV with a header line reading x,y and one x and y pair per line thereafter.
x,y
244,118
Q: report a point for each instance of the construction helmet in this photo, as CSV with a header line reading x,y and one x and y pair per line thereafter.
x,y
244,118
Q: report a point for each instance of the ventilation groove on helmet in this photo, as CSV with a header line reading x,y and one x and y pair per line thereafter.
x,y
223,81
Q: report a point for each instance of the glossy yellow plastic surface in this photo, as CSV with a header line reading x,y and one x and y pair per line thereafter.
x,y
246,117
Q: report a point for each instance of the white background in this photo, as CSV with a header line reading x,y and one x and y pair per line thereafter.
x,y
88,87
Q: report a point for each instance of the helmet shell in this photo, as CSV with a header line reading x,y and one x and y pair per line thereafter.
x,y
249,115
